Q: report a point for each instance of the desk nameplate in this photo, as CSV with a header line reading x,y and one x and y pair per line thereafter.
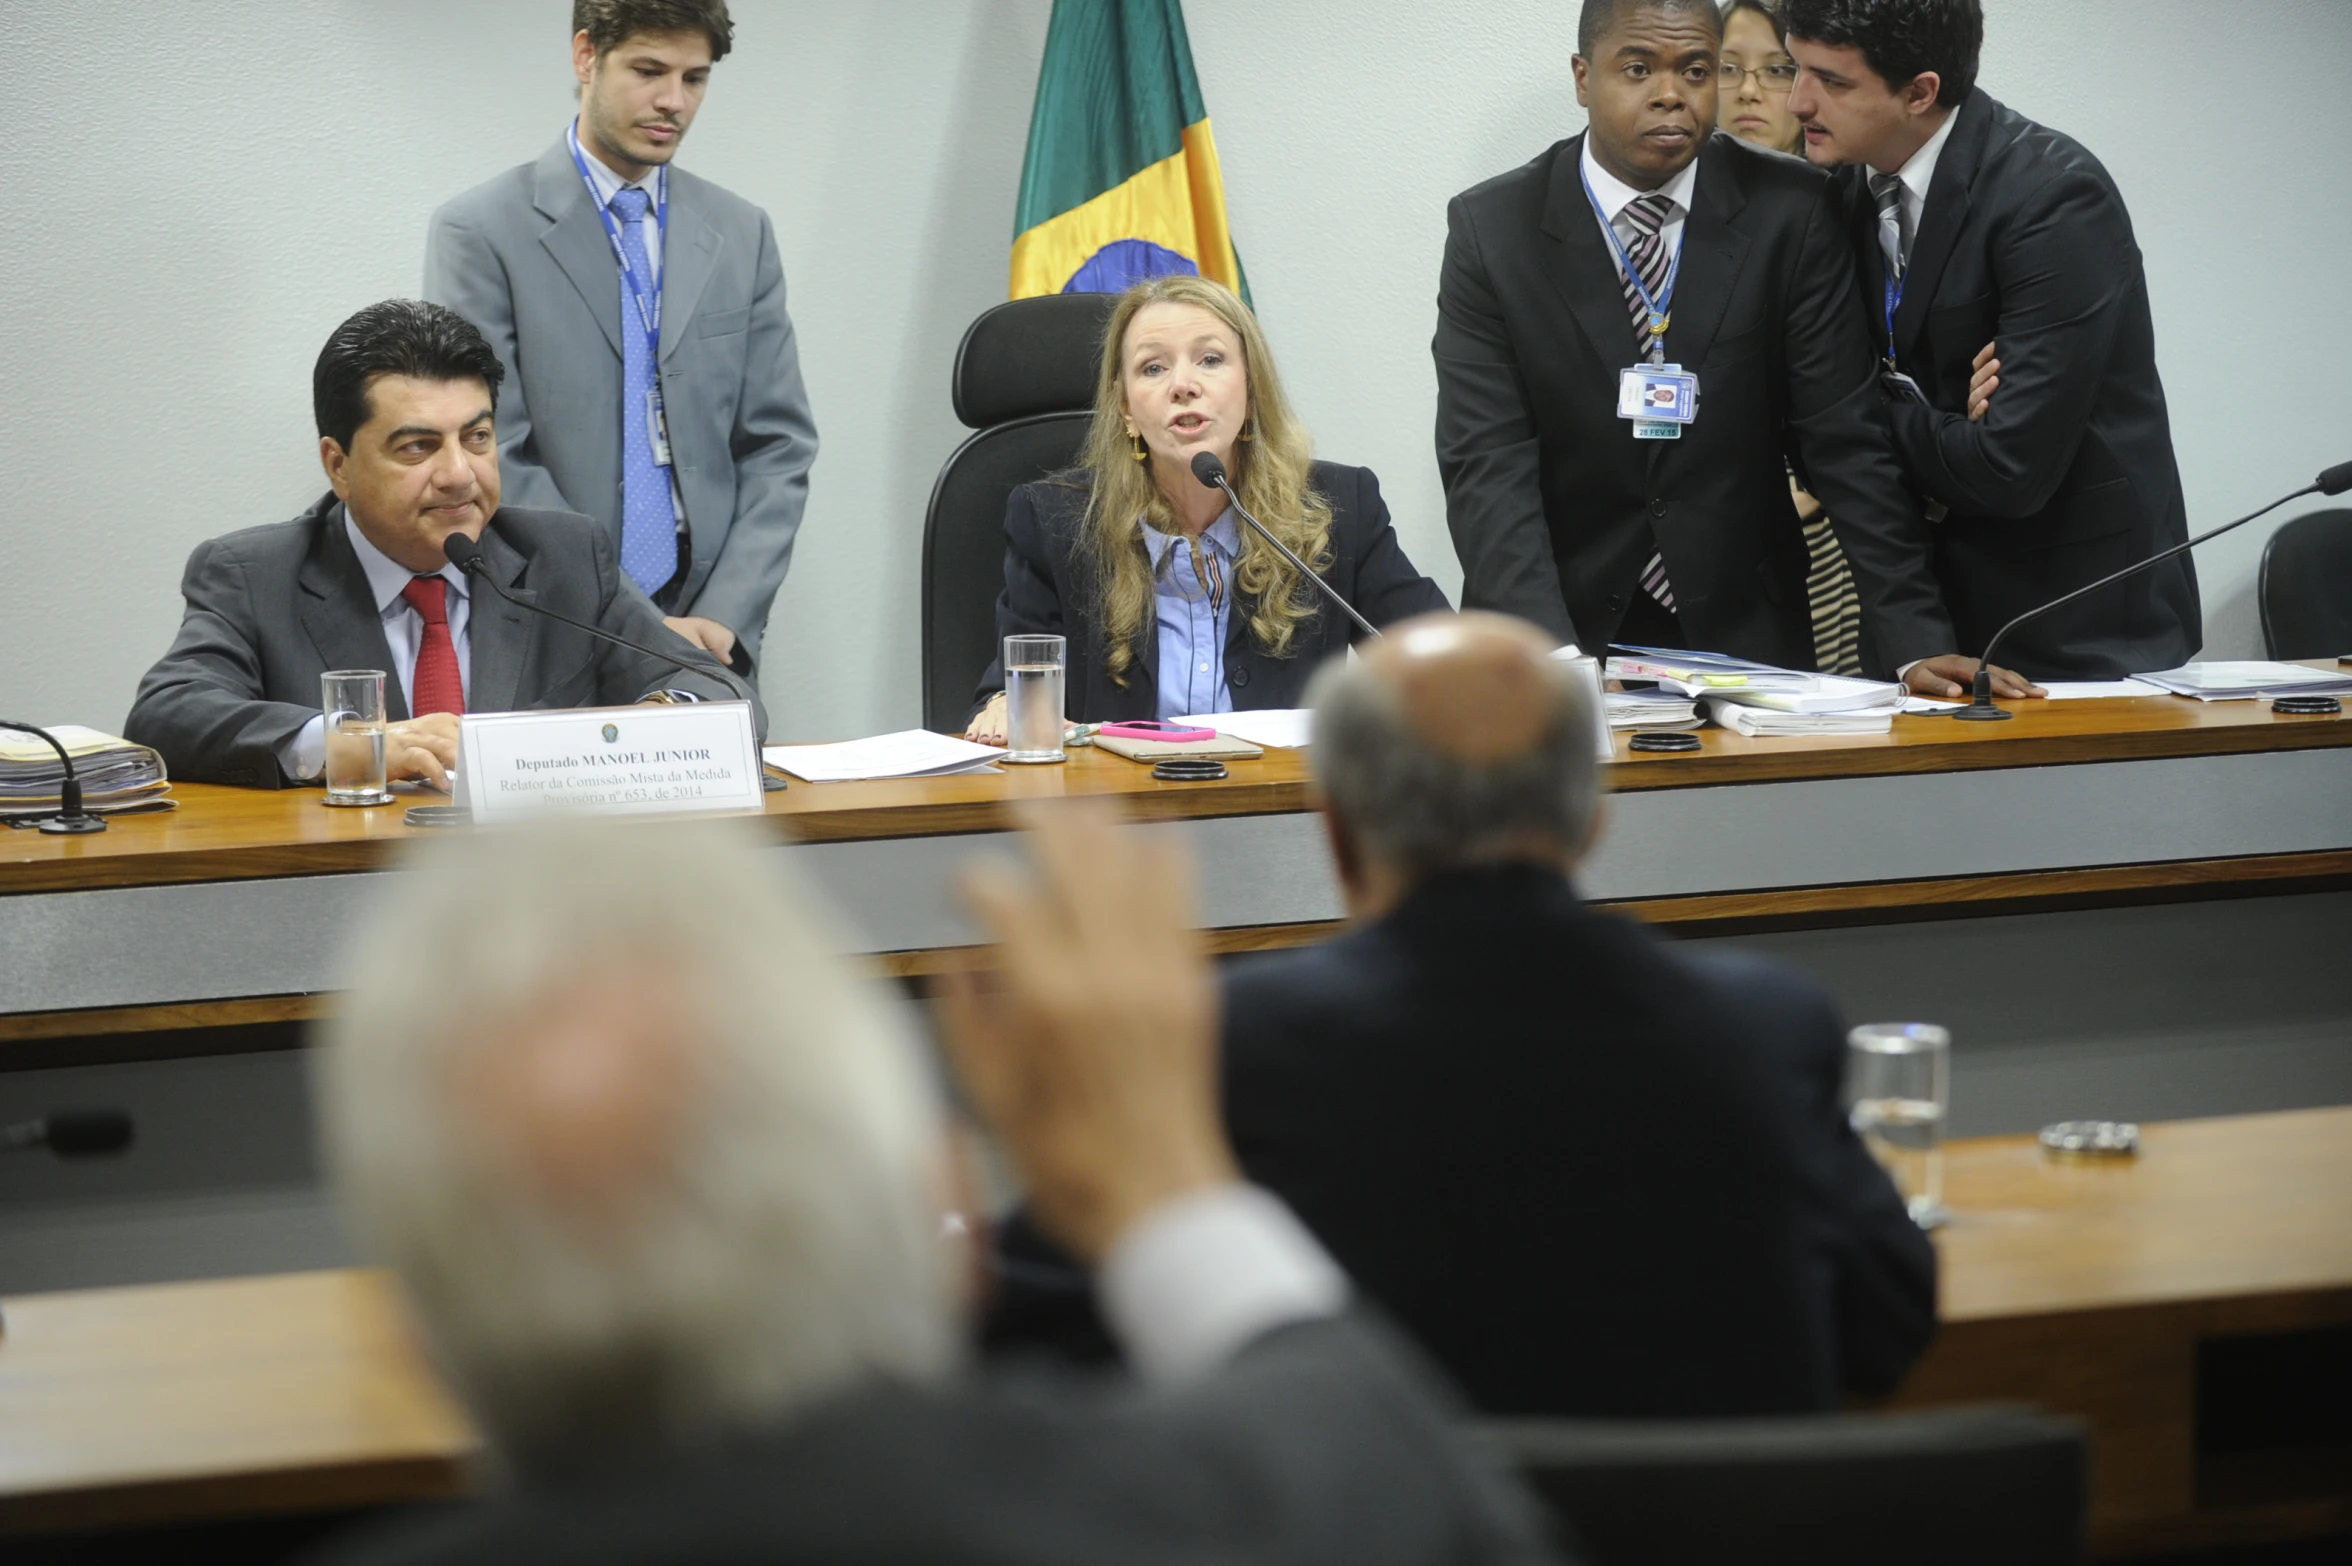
x,y
642,760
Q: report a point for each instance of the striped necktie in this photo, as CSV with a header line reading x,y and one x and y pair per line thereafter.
x,y
1647,217
1894,224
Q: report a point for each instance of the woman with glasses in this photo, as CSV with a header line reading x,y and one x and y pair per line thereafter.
x,y
1172,605
1751,102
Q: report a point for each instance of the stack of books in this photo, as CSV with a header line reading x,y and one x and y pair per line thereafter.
x,y
117,777
1757,698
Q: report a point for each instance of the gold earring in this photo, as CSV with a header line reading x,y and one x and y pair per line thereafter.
x,y
1249,429
1142,452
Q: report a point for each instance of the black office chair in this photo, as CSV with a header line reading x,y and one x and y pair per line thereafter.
x,y
1024,379
2306,587
1950,1487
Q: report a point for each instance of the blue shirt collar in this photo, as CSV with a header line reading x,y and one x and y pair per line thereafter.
x,y
1224,533
385,575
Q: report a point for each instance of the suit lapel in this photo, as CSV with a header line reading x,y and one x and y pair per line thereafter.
x,y
1582,270
1713,252
501,635
1941,221
576,240
690,253
339,612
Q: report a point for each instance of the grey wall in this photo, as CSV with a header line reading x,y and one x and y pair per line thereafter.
x,y
197,192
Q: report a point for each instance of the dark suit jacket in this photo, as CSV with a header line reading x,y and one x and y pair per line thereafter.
x,y
1317,1443
1593,1173
1552,501
1046,591
2025,242
272,608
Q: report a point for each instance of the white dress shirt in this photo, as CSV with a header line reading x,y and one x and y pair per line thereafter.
x,y
304,756
1615,196
1201,1277
1918,173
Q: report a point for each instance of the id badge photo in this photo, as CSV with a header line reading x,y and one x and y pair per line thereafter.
x,y
1659,399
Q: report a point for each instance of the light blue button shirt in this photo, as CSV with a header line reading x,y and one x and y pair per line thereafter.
x,y
1194,616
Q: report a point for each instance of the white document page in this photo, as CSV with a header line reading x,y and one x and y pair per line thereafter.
x,y
910,753
1287,728
2076,690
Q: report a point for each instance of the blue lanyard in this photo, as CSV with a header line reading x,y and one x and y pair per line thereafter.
x,y
1660,308
648,305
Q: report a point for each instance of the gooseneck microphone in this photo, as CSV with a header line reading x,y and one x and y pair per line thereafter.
x,y
72,1133
70,817
466,555
1211,473
1980,709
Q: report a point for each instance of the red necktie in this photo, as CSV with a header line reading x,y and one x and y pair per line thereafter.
x,y
435,686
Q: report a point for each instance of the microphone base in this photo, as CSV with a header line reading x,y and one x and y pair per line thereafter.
x,y
72,825
1983,712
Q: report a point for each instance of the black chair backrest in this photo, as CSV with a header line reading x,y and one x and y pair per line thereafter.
x,y
1949,1487
2306,589
1024,379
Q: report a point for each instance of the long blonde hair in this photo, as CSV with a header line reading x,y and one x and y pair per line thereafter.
x,y
1270,472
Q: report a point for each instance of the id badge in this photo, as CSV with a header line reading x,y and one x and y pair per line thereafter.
x,y
1659,399
1895,386
657,428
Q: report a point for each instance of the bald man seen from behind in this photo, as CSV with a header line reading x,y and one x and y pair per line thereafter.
x,y
1594,1172
667,1186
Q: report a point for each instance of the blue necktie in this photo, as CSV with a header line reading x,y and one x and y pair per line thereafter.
x,y
649,524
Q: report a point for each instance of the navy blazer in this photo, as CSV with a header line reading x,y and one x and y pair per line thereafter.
x,y
1046,591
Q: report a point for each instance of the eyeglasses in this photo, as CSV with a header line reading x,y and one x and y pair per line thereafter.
x,y
1775,79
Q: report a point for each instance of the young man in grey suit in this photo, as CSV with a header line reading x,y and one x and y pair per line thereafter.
x,y
653,376
681,1226
403,393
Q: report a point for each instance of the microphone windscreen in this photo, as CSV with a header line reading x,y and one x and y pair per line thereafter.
x,y
88,1133
1208,469
2336,480
461,550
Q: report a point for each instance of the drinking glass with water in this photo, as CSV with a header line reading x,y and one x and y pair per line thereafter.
x,y
1898,1086
1033,668
353,701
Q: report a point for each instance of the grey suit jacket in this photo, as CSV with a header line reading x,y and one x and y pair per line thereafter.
x,y
272,608
1318,1443
525,258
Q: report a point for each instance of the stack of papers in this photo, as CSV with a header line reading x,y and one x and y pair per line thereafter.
x,y
116,775
1651,710
2249,681
1757,698
911,753
1765,720
1282,728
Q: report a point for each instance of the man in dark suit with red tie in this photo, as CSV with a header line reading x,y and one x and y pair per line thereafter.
x,y
1996,250
403,393
1603,527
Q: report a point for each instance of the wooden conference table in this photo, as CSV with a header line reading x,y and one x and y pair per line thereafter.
x,y
231,910
2112,1291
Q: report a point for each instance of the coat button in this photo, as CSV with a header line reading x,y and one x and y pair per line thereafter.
x,y
1657,508
1616,602
1237,678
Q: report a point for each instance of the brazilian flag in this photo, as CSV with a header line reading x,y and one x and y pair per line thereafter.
x,y
1121,180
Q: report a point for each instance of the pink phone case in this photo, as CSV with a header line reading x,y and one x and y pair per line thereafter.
x,y
1171,735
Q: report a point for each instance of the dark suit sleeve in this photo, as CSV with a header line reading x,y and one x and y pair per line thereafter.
x,y
1387,587
1848,460
1031,602
624,676
201,707
2066,267
1883,1266
1488,452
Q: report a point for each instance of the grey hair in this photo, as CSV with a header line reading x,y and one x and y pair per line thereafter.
x,y
787,1247
1420,811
